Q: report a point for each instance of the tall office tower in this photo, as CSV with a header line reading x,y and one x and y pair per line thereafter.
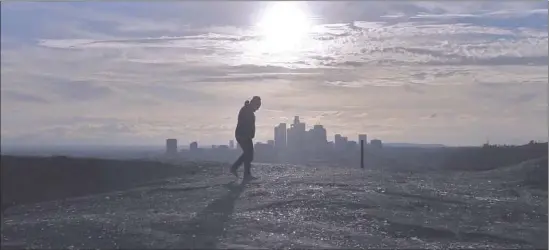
x,y
339,144
320,134
318,138
300,126
289,138
171,146
280,136
309,138
296,135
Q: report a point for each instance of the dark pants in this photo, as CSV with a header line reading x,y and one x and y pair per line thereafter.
x,y
247,156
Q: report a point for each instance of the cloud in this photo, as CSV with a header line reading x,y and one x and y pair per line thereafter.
x,y
145,71
401,43
79,90
14,96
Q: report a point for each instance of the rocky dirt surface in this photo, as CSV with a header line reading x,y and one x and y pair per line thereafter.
x,y
292,206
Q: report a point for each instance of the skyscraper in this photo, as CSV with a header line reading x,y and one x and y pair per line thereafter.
x,y
339,144
231,144
320,134
296,135
318,138
171,146
280,136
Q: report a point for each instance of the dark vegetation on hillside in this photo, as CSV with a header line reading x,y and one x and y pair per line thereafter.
x,y
493,156
36,179
532,174
524,165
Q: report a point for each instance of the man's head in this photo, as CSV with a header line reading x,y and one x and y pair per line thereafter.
x,y
255,103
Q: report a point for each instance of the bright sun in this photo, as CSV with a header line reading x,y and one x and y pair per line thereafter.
x,y
283,27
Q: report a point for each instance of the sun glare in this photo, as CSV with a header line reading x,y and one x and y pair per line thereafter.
x,y
283,27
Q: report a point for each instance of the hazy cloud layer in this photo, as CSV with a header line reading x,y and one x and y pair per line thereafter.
x,y
121,72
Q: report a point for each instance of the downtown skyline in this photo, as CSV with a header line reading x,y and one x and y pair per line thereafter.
x,y
287,137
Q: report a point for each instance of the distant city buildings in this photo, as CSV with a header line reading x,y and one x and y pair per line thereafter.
x,y
376,143
280,136
193,146
293,143
340,142
171,146
351,145
318,138
295,136
338,139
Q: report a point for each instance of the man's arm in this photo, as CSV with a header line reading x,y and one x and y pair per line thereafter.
x,y
246,123
250,122
253,125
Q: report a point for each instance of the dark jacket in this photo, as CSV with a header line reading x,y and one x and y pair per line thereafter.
x,y
246,123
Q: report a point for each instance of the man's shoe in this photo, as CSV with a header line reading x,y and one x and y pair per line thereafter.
x,y
233,171
249,177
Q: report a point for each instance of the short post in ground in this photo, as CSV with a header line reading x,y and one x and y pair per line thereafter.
x,y
362,154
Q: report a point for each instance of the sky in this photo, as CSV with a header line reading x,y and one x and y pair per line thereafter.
x,y
121,73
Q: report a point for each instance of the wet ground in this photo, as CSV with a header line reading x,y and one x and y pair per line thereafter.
x,y
292,207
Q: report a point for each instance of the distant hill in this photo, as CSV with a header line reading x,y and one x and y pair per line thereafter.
x,y
413,145
35,179
493,156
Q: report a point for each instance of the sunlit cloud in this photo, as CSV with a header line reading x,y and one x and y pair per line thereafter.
x,y
399,71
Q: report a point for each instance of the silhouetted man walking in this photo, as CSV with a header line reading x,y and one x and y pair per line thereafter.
x,y
244,133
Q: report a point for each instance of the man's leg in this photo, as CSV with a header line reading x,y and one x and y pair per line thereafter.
x,y
249,158
237,164
247,167
240,159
